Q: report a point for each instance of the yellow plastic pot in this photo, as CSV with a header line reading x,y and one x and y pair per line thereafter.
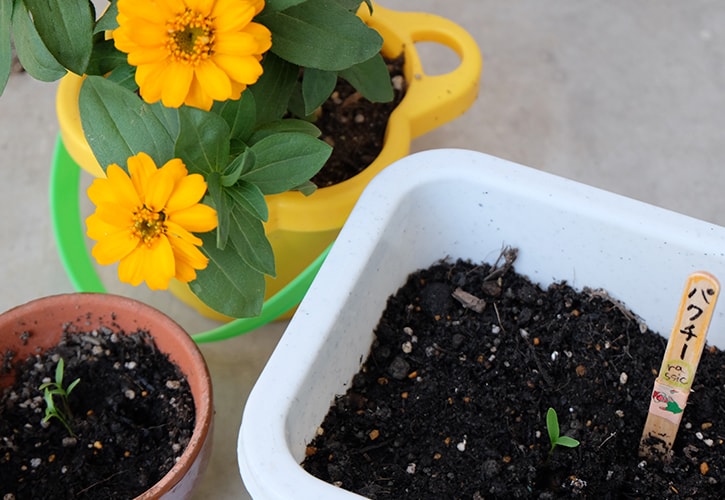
x,y
300,228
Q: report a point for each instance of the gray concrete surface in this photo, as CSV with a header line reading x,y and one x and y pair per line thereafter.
x,y
626,96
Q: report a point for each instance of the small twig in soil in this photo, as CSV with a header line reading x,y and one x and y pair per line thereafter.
x,y
619,305
372,447
351,99
98,483
542,371
606,439
439,348
498,317
509,255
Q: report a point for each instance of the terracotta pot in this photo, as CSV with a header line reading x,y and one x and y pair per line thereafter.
x,y
45,319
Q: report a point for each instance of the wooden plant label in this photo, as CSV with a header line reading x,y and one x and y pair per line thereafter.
x,y
684,348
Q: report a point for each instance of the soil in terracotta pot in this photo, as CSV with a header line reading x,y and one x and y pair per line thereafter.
x,y
133,415
451,402
355,127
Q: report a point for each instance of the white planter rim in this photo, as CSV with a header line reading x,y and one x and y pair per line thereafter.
x,y
456,203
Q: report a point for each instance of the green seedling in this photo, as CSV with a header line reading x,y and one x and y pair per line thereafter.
x,y
52,389
552,425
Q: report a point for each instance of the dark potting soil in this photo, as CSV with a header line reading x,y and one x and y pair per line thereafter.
x,y
451,402
133,415
355,127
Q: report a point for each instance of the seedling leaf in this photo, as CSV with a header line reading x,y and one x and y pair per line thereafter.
x,y
556,439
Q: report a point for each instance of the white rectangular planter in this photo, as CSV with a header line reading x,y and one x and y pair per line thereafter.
x,y
455,203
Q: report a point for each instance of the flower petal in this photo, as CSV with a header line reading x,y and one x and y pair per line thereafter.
x,y
197,219
213,80
189,190
160,187
243,69
149,78
190,254
201,6
239,44
176,230
176,82
110,214
231,15
141,167
114,247
153,264
116,187
262,34
197,97
150,55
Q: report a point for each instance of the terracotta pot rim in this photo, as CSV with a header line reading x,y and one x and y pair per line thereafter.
x,y
15,320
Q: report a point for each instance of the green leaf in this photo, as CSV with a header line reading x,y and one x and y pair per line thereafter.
x,y
317,86
105,58
6,58
306,188
567,441
247,236
240,115
125,76
72,385
285,125
277,5
286,160
59,372
371,78
228,284
107,21
118,124
354,5
552,425
249,197
220,202
273,89
203,141
33,55
66,28
240,164
321,34
296,104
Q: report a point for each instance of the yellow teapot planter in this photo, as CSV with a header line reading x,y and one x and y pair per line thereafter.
x,y
300,228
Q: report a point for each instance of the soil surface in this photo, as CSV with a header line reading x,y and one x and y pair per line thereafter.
x,y
451,402
133,415
355,127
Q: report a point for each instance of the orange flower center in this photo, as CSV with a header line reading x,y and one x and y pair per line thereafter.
x,y
190,37
148,225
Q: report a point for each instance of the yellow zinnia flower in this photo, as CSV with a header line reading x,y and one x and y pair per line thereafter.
x,y
146,221
192,51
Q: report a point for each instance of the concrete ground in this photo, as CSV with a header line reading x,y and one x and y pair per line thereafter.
x,y
626,96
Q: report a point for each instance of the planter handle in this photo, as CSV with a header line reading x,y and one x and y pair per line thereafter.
x,y
434,99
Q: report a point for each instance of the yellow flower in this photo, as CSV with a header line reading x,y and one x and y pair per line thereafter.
x,y
192,51
146,221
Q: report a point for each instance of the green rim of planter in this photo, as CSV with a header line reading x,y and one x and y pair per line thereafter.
x,y
69,236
